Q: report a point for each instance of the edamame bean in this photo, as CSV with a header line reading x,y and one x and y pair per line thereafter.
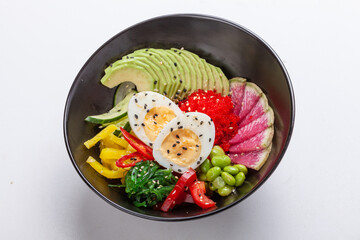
x,y
228,178
216,151
242,168
225,191
240,178
213,173
232,170
212,187
202,177
221,161
219,182
205,166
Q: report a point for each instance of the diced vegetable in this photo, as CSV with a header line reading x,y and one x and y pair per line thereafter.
x,y
197,190
178,194
111,153
111,174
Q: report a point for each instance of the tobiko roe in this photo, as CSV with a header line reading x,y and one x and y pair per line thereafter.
x,y
219,108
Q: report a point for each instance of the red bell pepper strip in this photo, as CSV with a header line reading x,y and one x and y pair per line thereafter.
x,y
197,190
178,194
133,156
136,143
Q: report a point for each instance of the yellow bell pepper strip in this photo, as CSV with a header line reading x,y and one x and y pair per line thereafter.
x,y
111,153
119,141
111,174
130,149
107,143
101,135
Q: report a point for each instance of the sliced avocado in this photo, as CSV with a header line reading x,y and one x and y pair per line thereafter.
x,y
161,81
176,73
225,80
211,80
193,74
165,66
185,75
217,78
202,67
195,65
128,72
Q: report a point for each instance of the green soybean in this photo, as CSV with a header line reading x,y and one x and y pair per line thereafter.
x,y
228,178
212,187
232,170
241,168
205,166
216,151
219,182
213,173
202,177
221,161
240,178
225,191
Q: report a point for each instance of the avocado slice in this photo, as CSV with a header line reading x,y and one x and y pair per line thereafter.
x,y
185,74
190,63
225,80
128,72
218,81
167,69
195,65
176,76
162,81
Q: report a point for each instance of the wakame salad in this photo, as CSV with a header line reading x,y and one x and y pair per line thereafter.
x,y
179,130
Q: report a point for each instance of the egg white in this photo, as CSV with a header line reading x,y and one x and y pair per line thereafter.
x,y
201,124
138,107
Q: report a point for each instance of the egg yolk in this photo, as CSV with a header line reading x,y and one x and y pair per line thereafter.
x,y
182,147
156,119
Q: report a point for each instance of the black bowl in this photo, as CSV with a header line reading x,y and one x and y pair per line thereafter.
x,y
235,49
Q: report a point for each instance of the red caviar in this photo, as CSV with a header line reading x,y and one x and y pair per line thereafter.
x,y
219,108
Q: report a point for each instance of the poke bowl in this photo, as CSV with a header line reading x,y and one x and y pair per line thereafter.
x,y
237,57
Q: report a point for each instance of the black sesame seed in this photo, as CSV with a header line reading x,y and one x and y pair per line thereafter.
x,y
168,151
132,57
200,158
179,170
146,50
185,148
148,110
150,54
199,194
178,123
174,145
185,89
155,82
169,103
127,57
171,129
136,100
150,144
135,125
171,165
110,65
174,77
179,53
200,135
177,136
209,139
145,106
146,94
197,145
181,81
198,162
155,122
178,142
201,123
175,50
175,64
143,124
209,123
136,116
165,94
153,100
196,118
178,154
180,127
211,119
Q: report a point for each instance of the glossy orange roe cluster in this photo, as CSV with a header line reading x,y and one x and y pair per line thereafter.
x,y
219,108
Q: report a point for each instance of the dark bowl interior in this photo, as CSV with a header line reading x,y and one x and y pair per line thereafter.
x,y
235,49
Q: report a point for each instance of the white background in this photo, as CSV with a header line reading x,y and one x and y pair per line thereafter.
x,y
313,194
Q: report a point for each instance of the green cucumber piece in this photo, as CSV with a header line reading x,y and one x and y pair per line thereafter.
x,y
122,91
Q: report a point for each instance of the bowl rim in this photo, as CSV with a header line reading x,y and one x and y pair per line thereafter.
x,y
182,15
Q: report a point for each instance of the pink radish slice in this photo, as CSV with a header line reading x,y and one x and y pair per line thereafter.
x,y
254,127
257,111
251,96
254,160
237,89
260,141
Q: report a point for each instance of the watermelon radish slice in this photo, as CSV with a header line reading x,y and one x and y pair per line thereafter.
x,y
237,90
257,111
251,96
260,141
254,127
254,160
